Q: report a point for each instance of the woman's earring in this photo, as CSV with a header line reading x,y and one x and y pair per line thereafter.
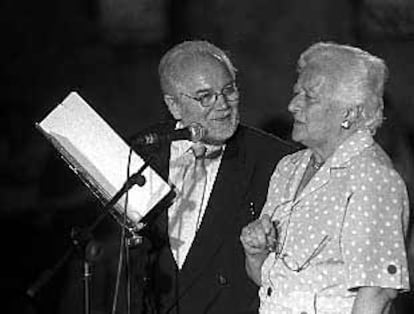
x,y
346,124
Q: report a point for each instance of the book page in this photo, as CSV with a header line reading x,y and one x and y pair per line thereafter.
x,y
97,154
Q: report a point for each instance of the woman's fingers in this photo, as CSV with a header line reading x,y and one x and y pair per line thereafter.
x,y
259,236
271,232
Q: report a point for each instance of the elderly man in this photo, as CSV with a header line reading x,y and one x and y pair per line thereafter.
x,y
196,262
331,236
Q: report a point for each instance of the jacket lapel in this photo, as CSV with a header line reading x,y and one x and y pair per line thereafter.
x,y
219,215
319,180
294,172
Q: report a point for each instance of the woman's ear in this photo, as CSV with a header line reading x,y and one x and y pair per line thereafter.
x,y
353,114
351,117
173,106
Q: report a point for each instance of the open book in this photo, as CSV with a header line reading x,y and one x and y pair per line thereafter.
x,y
99,156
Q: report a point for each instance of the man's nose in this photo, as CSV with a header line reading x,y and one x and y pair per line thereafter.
x,y
221,102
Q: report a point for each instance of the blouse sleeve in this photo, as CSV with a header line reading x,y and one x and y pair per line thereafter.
x,y
375,224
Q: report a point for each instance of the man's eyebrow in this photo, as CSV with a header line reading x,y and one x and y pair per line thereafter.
x,y
204,90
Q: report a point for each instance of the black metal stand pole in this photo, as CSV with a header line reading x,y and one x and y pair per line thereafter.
x,y
80,239
86,286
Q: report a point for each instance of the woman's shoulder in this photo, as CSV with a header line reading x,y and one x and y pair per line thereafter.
x,y
374,164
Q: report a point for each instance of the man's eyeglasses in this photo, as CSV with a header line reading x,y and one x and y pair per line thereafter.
x,y
208,99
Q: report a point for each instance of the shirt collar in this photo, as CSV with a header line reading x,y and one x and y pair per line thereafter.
x,y
351,147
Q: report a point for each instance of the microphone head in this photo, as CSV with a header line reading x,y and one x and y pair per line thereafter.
x,y
197,132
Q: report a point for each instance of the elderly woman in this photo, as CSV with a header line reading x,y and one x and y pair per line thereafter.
x,y
331,235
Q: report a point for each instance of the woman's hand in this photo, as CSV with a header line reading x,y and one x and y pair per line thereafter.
x,y
259,236
258,239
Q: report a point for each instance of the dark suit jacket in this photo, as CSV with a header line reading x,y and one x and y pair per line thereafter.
x,y
213,278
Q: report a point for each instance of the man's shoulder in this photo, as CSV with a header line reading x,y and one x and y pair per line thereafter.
x,y
162,127
262,141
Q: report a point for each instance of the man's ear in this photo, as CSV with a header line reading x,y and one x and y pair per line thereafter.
x,y
173,106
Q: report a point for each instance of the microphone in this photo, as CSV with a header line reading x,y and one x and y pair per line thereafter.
x,y
194,132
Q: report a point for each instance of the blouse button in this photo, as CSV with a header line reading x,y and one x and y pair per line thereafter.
x,y
391,269
269,291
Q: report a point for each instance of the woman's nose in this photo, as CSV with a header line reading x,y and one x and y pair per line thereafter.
x,y
295,104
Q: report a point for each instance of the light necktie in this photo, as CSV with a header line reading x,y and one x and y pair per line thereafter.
x,y
186,219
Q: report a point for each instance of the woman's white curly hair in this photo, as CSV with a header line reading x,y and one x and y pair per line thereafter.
x,y
358,78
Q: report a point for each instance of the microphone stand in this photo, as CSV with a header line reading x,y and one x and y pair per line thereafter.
x,y
82,241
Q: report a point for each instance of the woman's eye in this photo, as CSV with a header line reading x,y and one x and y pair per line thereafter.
x,y
310,98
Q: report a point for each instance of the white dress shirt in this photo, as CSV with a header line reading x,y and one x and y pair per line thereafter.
x,y
179,157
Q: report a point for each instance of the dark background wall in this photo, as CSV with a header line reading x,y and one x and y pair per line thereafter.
x,y
108,51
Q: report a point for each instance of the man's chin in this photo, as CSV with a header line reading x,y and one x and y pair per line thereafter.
x,y
219,138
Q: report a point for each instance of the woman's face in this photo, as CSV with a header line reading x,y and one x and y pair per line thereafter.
x,y
317,118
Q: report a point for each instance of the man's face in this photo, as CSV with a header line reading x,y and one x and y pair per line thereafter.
x,y
204,76
317,119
